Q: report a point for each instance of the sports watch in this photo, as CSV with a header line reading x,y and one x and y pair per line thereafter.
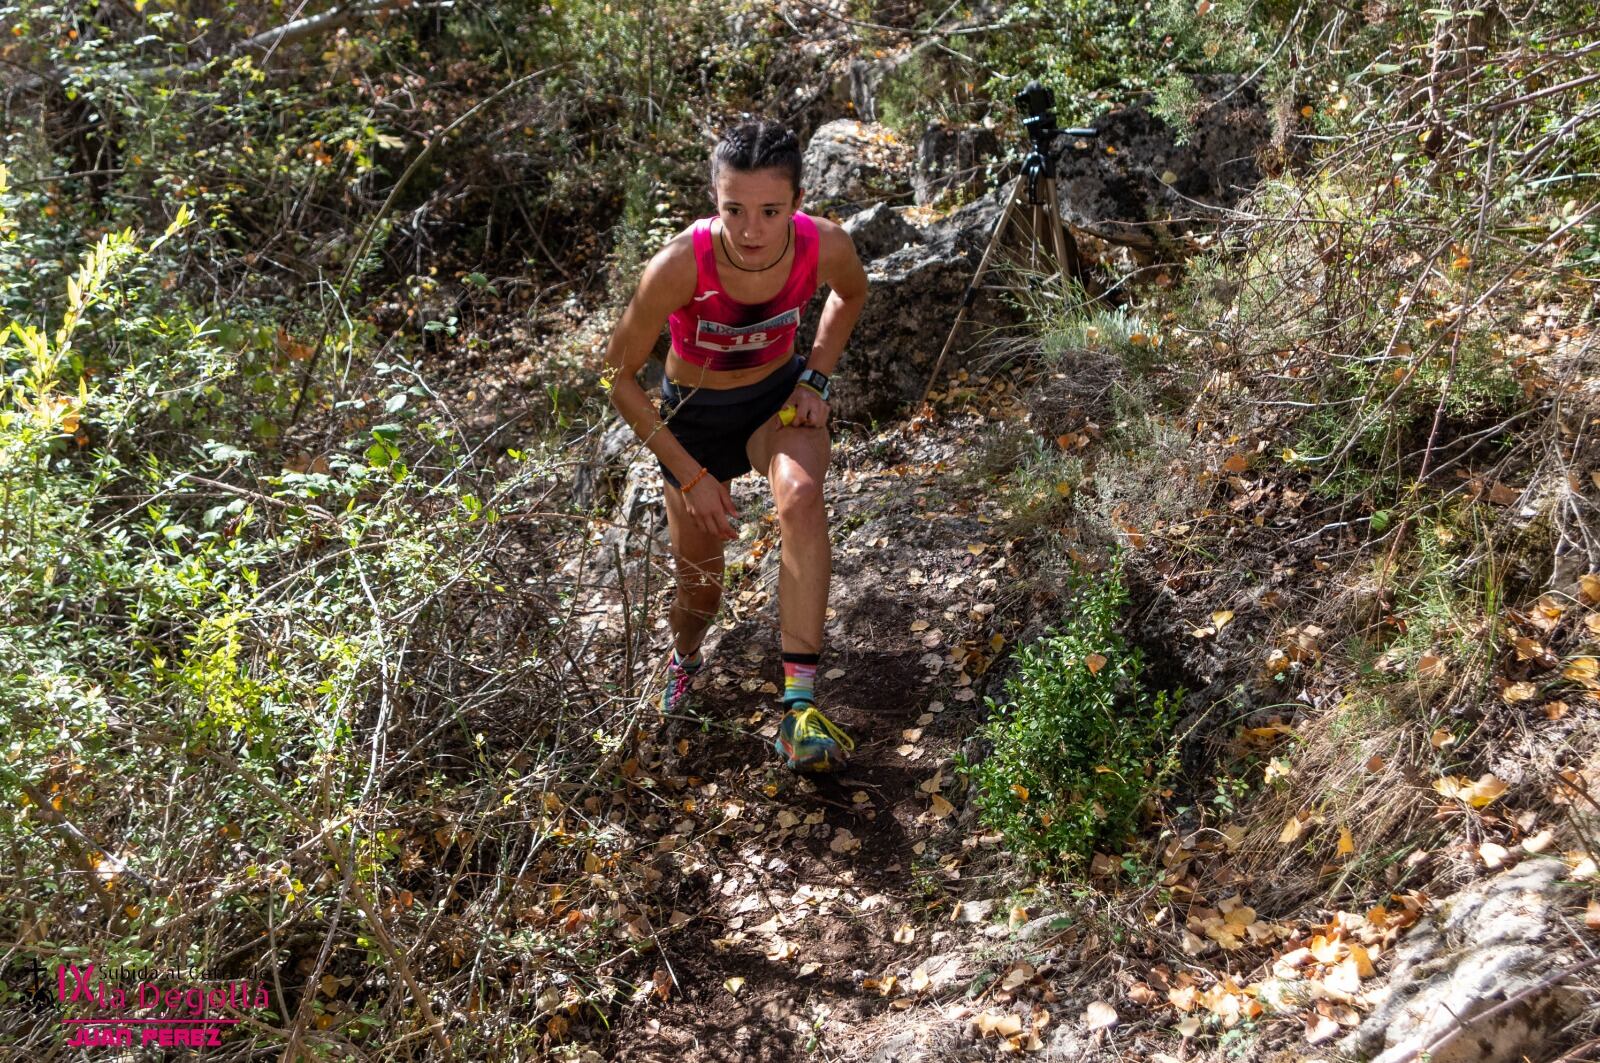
x,y
816,381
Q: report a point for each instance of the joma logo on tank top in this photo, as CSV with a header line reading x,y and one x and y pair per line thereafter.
x,y
745,337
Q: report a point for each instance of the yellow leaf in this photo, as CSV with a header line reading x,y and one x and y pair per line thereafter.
x,y
1221,617
1582,669
1523,691
733,985
1021,791
940,807
1476,794
1589,585
1347,843
1291,830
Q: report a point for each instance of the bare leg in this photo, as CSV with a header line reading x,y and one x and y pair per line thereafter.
x,y
697,561
795,462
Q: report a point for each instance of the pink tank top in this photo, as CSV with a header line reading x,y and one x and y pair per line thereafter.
x,y
714,331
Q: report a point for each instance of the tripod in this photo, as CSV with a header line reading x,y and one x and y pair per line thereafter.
x,y
1038,176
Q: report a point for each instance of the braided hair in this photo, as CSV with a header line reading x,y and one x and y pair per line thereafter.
x,y
758,145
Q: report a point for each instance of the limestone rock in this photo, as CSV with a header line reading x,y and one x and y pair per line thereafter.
x,y
915,290
952,158
1485,945
880,230
850,165
1155,182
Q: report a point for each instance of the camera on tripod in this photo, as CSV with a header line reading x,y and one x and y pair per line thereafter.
x,y
1038,107
1045,223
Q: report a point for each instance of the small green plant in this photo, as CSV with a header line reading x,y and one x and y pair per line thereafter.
x,y
1078,744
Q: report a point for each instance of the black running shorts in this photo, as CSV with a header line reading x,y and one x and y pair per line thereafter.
x,y
714,425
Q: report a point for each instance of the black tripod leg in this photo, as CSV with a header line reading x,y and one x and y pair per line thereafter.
x,y
1066,246
970,296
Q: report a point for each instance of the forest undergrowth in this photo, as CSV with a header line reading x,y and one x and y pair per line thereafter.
x,y
299,686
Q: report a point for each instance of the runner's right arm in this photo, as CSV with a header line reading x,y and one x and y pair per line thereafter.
x,y
667,283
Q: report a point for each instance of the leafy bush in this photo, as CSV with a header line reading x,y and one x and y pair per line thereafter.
x,y
1079,744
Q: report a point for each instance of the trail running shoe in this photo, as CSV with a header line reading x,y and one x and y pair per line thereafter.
x,y
809,741
676,691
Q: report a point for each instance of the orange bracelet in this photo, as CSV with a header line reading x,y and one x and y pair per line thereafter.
x,y
696,479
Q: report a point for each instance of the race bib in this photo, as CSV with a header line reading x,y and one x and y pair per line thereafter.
x,y
732,338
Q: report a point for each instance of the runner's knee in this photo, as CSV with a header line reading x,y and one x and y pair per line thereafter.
x,y
798,496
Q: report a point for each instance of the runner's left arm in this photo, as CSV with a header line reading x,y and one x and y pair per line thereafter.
x,y
838,267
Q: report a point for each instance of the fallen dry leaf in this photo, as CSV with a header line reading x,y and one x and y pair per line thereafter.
x,y
1320,1028
1475,794
1100,1015
1582,669
1430,666
1522,691
1493,855
844,842
1020,974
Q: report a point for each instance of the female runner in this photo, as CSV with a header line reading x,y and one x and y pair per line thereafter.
x,y
737,397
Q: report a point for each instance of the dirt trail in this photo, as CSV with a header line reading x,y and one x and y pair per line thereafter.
x,y
793,908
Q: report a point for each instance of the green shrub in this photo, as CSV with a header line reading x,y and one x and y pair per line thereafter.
x,y
1079,744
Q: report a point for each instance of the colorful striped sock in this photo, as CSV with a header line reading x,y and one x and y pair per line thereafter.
x,y
690,663
799,677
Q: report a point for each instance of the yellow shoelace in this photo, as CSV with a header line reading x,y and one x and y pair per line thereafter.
x,y
801,728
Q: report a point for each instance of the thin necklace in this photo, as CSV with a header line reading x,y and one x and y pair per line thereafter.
x,y
788,234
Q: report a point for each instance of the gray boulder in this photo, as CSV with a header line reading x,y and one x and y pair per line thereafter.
x,y
1487,945
1144,184
879,231
915,291
850,165
952,158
